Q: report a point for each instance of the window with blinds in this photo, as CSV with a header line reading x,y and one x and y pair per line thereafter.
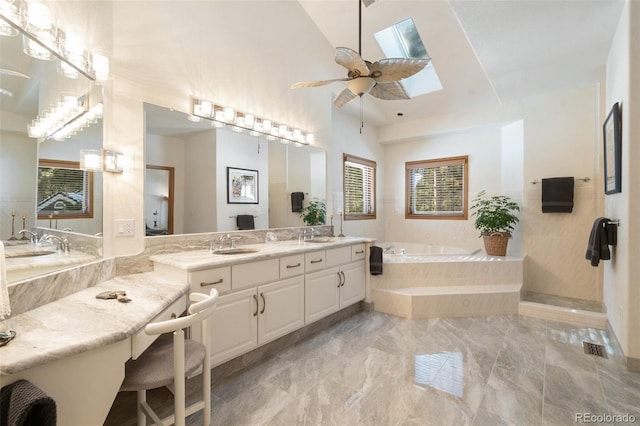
x,y
64,190
436,189
359,188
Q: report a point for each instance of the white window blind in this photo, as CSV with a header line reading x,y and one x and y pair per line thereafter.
x,y
359,188
437,188
64,190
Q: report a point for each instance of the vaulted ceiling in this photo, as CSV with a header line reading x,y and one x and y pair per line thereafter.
x,y
486,52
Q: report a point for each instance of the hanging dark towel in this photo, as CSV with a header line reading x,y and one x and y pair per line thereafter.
x,y
598,248
23,403
296,201
375,260
245,221
557,195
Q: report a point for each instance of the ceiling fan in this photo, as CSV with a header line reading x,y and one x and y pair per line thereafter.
x,y
380,79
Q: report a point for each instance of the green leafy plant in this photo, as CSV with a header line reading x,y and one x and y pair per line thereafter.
x,y
494,214
314,213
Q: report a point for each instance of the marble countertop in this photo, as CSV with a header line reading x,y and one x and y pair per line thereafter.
x,y
202,259
20,264
80,322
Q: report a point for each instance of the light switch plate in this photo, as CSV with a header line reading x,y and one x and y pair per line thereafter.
x,y
125,227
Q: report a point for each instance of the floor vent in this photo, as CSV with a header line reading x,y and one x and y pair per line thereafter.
x,y
593,349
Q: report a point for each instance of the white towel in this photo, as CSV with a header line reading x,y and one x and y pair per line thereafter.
x,y
5,307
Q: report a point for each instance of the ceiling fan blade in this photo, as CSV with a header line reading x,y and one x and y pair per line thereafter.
x,y
389,91
394,69
343,97
351,60
316,83
13,73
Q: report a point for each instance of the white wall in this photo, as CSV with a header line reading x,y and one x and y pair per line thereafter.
x,y
17,181
561,138
483,145
240,151
622,273
347,139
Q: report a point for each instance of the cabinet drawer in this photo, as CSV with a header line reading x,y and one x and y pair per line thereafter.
x,y
204,281
141,340
254,273
291,266
338,256
314,261
357,252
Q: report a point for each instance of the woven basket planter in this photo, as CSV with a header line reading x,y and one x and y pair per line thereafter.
x,y
496,243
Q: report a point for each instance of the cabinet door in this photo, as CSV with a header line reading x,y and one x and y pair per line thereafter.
x,y
281,308
352,289
322,295
234,327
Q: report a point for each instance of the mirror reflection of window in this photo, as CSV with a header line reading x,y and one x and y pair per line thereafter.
x,y
64,190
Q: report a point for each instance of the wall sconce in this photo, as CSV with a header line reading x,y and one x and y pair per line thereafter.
x,y
103,160
256,126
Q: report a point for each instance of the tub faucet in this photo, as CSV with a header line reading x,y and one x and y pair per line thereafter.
x,y
33,236
61,244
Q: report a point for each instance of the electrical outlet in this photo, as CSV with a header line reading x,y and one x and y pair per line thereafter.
x,y
125,227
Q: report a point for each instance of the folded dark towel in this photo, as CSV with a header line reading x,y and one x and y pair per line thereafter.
x,y
557,195
375,260
23,403
245,221
598,248
296,201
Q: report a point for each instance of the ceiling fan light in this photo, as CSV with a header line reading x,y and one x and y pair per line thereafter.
x,y
361,85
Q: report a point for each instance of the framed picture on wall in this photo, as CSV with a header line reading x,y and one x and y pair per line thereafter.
x,y
242,186
612,129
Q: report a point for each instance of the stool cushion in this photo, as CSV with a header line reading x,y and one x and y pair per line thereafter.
x,y
154,368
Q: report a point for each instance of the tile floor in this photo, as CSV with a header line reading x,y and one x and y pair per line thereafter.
x,y
376,369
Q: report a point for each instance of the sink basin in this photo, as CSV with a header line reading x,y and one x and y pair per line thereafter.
x,y
320,240
237,250
28,253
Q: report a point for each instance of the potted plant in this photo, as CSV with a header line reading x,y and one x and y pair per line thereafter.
x,y
314,213
495,218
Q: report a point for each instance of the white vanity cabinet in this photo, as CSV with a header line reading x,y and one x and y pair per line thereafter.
x,y
264,299
339,286
248,318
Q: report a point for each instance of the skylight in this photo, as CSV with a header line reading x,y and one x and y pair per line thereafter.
x,y
403,41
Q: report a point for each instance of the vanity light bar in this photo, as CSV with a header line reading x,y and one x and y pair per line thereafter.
x,y
43,40
256,126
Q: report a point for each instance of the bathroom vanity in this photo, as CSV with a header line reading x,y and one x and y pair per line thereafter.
x,y
75,348
270,290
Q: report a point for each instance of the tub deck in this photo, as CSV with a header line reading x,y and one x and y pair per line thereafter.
x,y
440,286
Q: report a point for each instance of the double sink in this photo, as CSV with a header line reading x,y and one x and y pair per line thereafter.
x,y
248,250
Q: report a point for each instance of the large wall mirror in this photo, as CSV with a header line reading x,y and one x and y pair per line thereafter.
x,y
30,88
201,155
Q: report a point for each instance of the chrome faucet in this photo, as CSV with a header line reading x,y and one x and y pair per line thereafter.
x,y
307,236
33,236
62,244
232,240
